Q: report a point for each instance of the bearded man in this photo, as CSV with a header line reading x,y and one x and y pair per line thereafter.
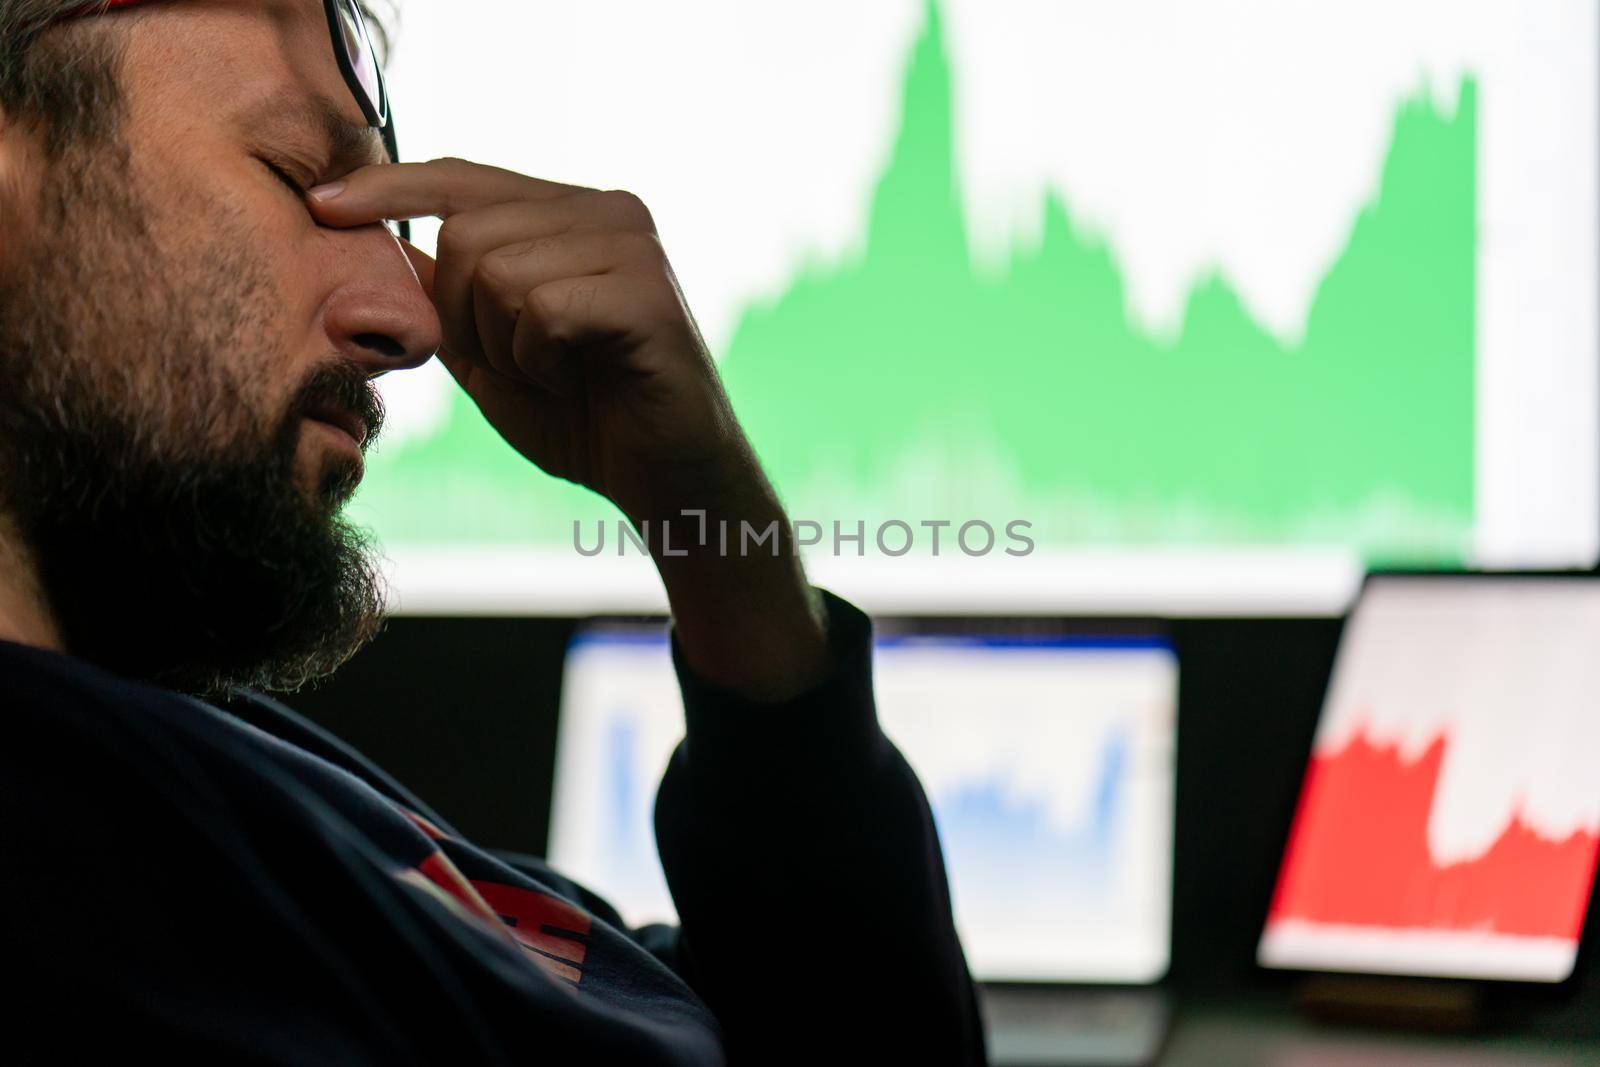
x,y
197,291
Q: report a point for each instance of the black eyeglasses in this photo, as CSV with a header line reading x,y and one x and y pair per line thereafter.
x,y
358,62
357,58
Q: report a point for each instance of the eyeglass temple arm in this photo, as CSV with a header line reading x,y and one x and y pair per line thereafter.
x,y
402,226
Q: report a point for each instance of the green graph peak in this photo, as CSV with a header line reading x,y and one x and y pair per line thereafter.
x,y
915,212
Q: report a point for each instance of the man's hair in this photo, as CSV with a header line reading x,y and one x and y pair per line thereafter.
x,y
62,79
63,83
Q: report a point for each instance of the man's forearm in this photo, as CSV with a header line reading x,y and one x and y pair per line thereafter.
x,y
746,617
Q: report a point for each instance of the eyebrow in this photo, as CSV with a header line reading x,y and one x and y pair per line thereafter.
x,y
348,143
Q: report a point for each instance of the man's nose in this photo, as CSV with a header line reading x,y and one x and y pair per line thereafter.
x,y
380,316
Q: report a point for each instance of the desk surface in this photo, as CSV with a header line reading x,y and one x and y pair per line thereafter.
x,y
1205,1037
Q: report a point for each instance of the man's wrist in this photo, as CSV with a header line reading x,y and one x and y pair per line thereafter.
x,y
746,617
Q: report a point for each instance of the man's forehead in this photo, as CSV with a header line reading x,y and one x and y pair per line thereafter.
x,y
268,66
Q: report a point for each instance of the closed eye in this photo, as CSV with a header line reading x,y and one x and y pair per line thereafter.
x,y
284,177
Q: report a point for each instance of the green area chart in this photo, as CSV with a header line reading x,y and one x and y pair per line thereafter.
x,y
905,383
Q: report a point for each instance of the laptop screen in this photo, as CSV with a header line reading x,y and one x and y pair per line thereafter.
x,y
1048,762
1450,817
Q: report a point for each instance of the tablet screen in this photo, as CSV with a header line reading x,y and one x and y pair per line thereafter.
x,y
1448,821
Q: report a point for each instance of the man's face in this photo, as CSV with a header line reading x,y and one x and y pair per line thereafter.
x,y
180,344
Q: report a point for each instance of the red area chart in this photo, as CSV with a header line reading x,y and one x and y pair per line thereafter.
x,y
1358,857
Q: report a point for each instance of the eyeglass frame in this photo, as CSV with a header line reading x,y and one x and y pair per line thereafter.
x,y
378,113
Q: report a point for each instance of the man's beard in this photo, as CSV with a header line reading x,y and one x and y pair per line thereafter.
x,y
149,474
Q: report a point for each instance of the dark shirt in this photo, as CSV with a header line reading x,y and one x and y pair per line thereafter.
x,y
242,887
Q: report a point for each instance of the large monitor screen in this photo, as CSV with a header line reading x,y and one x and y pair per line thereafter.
x,y
1048,764
1222,301
1450,818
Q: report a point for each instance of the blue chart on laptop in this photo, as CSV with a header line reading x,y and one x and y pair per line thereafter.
x,y
1048,764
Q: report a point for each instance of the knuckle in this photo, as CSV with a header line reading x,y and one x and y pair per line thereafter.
x,y
536,306
560,309
452,237
630,207
495,276
580,299
508,304
494,268
530,247
638,245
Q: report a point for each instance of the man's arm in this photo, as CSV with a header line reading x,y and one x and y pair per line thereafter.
x,y
743,613
803,859
798,843
799,847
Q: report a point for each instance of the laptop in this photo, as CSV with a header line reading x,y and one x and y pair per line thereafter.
x,y
1048,759
1449,821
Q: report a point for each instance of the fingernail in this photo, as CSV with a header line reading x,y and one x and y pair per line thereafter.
x,y
323,193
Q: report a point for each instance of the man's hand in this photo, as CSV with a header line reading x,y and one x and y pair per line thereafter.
x,y
563,321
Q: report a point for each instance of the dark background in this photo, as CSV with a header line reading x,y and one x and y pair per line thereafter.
x,y
464,712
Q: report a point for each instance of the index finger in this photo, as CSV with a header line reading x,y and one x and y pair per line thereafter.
x,y
442,187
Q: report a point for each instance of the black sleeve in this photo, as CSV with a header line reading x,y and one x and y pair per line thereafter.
x,y
802,856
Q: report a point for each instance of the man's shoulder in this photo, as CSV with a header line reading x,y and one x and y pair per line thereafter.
x,y
66,692
73,726
100,773
95,765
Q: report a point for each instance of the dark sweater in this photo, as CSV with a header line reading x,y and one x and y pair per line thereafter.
x,y
243,888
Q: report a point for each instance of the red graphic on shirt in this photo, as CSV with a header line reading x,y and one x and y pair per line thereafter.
x,y
424,825
552,932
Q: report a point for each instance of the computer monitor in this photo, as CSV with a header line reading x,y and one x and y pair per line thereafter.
x,y
1449,821
1048,762
1229,301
